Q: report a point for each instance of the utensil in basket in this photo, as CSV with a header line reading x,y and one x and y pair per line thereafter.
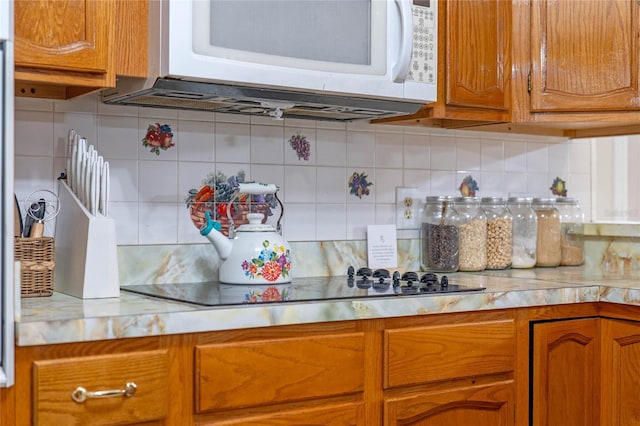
x,y
41,206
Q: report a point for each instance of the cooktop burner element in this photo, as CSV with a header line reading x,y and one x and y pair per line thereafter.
x,y
361,284
409,283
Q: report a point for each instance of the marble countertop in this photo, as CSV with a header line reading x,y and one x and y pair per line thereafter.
x,y
64,319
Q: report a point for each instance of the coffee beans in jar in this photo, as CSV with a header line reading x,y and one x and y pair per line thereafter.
x,y
525,232
472,234
548,240
439,235
499,233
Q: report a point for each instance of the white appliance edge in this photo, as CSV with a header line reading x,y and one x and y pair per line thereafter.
x,y
7,300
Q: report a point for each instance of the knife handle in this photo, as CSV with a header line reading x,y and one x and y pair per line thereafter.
x,y
37,230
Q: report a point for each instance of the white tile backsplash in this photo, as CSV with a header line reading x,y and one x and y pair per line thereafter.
x,y
416,151
387,153
148,190
197,141
267,144
34,133
233,142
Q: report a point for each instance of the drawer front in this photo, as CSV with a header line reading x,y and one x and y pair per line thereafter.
x,y
329,415
54,381
243,374
431,354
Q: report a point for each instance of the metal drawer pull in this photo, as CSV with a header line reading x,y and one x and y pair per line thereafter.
x,y
80,395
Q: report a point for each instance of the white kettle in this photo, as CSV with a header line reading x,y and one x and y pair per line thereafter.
x,y
255,253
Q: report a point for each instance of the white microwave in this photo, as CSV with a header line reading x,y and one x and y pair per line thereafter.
x,y
333,59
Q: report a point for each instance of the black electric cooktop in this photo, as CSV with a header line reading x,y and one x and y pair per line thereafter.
x,y
360,284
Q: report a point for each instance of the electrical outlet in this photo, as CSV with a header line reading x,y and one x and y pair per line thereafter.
x,y
407,208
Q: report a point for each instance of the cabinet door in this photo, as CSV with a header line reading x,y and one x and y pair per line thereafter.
x,y
565,373
620,373
478,55
63,34
477,405
584,55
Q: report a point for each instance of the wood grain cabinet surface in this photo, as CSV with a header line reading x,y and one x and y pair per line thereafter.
x,y
263,372
565,373
54,382
550,67
456,374
67,48
561,365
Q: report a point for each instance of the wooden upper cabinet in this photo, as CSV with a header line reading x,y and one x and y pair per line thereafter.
x,y
474,66
584,55
67,48
63,34
478,56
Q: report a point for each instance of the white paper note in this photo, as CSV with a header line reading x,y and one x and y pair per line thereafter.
x,y
382,246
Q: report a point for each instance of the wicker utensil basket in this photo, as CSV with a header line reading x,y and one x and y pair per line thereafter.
x,y
36,256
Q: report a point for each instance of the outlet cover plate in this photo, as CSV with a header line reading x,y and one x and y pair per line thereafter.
x,y
407,208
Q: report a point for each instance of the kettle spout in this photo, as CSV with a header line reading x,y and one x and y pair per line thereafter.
x,y
211,231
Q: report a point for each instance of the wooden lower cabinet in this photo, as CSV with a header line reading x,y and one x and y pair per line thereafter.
x,y
451,373
488,405
620,400
565,373
557,366
586,372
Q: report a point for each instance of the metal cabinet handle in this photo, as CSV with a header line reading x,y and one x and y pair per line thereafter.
x,y
80,395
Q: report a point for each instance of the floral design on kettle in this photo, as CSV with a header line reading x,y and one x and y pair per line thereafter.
x,y
270,294
158,137
271,263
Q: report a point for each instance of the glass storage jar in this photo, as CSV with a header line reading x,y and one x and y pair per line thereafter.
x,y
525,232
499,232
472,234
439,235
548,251
572,230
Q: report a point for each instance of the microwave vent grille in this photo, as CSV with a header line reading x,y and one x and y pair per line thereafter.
x,y
201,96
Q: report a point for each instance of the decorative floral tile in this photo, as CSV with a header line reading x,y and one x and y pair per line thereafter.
x,y
158,137
559,187
468,187
301,146
359,185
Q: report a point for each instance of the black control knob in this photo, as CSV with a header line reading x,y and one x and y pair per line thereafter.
x,y
350,271
364,272
381,275
444,281
410,276
429,279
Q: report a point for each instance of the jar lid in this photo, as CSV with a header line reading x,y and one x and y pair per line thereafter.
x,y
493,200
465,200
567,200
544,201
526,200
438,198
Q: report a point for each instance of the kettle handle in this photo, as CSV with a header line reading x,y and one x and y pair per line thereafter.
x,y
254,188
257,188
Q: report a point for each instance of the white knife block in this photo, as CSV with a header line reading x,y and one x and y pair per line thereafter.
x,y
86,253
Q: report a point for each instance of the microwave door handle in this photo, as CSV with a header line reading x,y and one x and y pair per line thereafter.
x,y
401,67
